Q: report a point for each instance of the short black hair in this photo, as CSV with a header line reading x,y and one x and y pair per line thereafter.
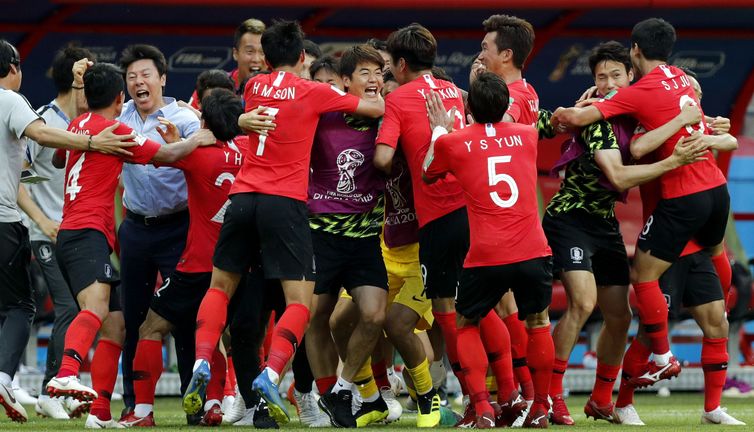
x,y
136,52
328,63
220,111
212,79
62,65
282,43
513,33
655,37
388,76
251,25
8,56
440,73
609,51
103,82
688,71
311,48
359,54
415,44
242,86
378,44
488,98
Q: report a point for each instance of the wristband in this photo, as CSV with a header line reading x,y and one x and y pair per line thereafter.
x,y
77,88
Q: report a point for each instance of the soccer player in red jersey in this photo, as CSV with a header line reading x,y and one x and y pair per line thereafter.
x,y
695,199
86,239
268,212
443,223
508,249
209,172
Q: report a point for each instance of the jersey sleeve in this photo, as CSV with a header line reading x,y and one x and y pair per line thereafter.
x,y
599,136
621,101
514,109
390,128
330,99
544,127
18,112
145,148
439,165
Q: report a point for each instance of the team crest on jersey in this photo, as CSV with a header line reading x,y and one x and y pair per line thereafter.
x,y
45,253
108,271
577,255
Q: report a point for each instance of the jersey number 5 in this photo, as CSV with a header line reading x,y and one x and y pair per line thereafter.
x,y
496,178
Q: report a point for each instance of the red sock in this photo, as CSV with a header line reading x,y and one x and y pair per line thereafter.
x,y
324,384
147,370
78,340
104,374
474,363
634,361
210,322
653,311
379,371
715,366
519,340
218,369
604,382
558,372
724,272
541,355
447,323
230,378
287,335
497,343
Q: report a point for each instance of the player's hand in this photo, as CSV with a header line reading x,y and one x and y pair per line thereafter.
x,y
590,93
690,149
719,125
78,71
171,133
470,119
437,114
204,137
110,143
49,228
690,114
586,102
257,121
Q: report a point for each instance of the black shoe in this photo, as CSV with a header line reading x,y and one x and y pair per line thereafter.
x,y
371,412
262,417
337,406
194,419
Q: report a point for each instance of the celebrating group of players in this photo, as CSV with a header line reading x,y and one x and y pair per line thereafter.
x,y
367,203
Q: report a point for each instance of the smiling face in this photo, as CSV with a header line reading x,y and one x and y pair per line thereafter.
x,y
365,81
327,76
610,75
249,55
490,57
144,84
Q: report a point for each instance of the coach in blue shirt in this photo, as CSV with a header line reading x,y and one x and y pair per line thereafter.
x,y
153,234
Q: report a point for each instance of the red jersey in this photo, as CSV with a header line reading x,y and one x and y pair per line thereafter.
x,y
523,104
92,178
406,122
209,171
278,164
503,211
654,100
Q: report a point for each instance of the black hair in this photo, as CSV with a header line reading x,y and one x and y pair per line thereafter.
x,y
103,82
609,51
242,86
415,44
283,43
388,76
212,79
312,49
62,65
251,25
328,63
440,73
359,54
655,37
513,33
688,72
220,112
8,56
488,98
136,52
378,44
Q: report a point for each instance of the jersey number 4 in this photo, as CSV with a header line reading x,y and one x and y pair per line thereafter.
x,y
72,187
496,177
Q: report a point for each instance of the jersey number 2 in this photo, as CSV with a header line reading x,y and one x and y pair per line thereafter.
x,y
496,178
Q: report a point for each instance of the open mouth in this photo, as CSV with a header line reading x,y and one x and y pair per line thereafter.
x,y
142,96
371,91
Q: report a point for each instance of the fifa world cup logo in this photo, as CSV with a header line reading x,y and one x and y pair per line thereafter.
x,y
348,160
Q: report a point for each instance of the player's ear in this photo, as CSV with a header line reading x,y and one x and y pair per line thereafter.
x,y
163,80
235,53
630,75
346,81
302,56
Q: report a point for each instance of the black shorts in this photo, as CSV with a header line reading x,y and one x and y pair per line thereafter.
x,y
179,297
702,216
482,287
443,245
250,307
84,257
15,256
347,262
690,281
269,230
582,241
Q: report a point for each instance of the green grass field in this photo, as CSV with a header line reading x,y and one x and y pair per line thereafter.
x,y
679,412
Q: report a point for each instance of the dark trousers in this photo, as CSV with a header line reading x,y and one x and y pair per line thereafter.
x,y
145,250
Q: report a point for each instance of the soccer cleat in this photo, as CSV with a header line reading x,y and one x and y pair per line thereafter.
x,y
70,386
371,412
560,414
269,391
130,420
236,411
510,410
212,416
448,417
76,408
22,396
193,400
395,409
485,421
628,416
309,413
395,380
92,422
736,388
537,418
469,417
605,412
262,417
13,409
721,417
51,408
291,396
227,403
656,373
247,419
337,406
428,410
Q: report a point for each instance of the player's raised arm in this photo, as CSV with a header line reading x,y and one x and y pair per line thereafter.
x,y
575,116
173,152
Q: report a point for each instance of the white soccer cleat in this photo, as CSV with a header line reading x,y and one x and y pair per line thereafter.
x,y
227,403
396,382
70,386
236,411
721,417
51,408
23,397
247,419
628,416
394,408
13,408
92,422
309,412
76,408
